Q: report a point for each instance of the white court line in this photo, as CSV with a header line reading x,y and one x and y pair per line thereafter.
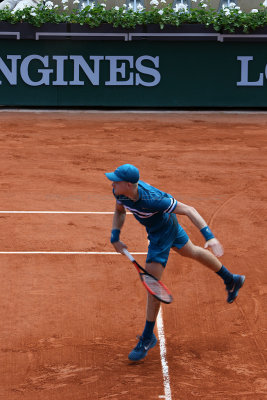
x,y
58,212
164,363
68,252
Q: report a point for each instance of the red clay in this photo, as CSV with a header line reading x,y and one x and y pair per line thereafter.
x,y
69,321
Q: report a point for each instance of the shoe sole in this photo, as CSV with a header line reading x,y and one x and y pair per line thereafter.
x,y
241,283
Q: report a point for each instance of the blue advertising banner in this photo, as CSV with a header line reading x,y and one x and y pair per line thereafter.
x,y
132,74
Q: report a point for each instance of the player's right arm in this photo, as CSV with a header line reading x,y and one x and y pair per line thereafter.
x,y
117,224
119,216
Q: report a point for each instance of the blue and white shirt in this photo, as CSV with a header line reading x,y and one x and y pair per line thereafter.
x,y
152,209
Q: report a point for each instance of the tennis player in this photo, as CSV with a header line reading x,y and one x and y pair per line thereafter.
x,y
156,211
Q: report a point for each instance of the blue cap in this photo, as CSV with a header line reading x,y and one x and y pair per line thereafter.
x,y
126,172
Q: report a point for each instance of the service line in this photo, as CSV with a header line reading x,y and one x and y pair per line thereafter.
x,y
68,252
58,212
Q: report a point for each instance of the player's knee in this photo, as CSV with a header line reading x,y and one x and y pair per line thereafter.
x,y
195,252
155,269
189,251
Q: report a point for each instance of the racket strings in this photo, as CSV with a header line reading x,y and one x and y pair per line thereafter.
x,y
157,289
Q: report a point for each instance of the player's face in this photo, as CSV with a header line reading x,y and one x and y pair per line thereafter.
x,y
120,188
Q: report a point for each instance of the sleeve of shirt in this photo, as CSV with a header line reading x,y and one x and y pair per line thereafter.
x,y
164,204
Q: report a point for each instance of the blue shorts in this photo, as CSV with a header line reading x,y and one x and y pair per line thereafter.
x,y
159,247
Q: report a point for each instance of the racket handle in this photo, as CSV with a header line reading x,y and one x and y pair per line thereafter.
x,y
126,252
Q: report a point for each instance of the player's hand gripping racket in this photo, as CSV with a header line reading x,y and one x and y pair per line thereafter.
x,y
152,284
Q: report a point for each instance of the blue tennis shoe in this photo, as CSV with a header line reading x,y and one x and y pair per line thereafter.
x,y
140,351
233,288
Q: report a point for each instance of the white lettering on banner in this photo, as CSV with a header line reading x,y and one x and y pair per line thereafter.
x,y
149,71
60,71
11,75
93,76
123,70
115,69
244,73
24,70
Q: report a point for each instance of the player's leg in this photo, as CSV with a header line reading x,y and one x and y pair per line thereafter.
x,y
233,282
153,304
148,340
204,256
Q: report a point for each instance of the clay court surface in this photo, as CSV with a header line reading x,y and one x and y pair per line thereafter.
x,y
68,321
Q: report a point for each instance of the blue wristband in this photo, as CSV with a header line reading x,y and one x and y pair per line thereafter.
x,y
115,235
206,232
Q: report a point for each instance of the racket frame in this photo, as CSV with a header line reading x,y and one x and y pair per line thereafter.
x,y
144,272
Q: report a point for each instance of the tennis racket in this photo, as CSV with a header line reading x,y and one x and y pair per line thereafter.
x,y
151,283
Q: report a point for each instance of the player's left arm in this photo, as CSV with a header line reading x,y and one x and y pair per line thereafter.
x,y
201,224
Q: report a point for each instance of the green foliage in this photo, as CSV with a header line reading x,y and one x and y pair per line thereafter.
x,y
230,19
